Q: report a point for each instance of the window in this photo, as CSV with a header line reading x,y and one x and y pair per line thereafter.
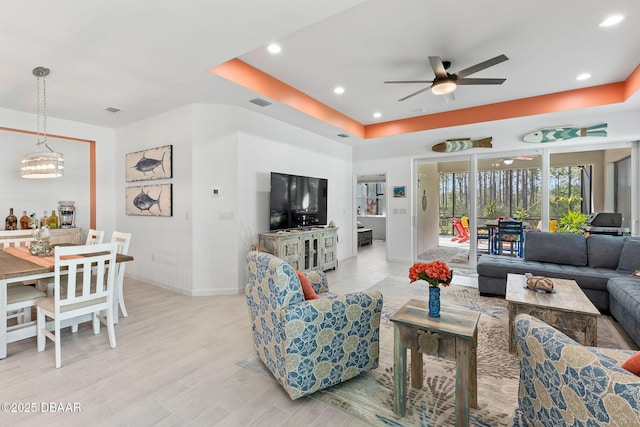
x,y
370,197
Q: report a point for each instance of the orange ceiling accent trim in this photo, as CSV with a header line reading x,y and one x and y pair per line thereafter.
x,y
632,83
560,101
92,167
245,75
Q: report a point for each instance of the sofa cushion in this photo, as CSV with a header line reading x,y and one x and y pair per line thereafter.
x,y
630,256
604,251
557,248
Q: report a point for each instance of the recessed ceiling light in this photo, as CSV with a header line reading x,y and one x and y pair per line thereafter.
x,y
274,48
612,20
377,115
583,76
339,90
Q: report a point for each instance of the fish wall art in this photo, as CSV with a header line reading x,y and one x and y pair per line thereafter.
x,y
154,163
149,200
564,133
461,144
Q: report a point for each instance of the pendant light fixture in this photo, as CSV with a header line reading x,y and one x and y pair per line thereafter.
x,y
44,162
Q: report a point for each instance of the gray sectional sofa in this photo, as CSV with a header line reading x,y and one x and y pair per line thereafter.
x,y
602,266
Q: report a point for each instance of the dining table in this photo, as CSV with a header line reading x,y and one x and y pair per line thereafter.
x,y
16,267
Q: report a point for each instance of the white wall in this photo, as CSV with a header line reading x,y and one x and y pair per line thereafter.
x,y
161,246
201,249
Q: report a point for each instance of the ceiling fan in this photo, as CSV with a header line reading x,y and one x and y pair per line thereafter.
x,y
509,160
445,83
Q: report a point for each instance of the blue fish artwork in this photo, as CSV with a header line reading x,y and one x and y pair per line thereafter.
x,y
453,145
144,202
564,133
149,200
152,163
145,164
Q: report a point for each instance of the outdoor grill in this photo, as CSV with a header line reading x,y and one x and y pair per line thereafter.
x,y
605,223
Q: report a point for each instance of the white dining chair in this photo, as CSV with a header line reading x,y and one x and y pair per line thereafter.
x,y
123,240
21,297
85,294
94,237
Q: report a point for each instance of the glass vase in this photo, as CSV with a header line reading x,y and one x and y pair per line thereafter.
x,y
434,302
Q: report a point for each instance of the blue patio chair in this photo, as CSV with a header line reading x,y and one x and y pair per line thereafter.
x,y
510,234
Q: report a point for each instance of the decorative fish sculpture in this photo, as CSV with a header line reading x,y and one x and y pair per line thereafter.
x,y
144,202
145,164
563,133
452,145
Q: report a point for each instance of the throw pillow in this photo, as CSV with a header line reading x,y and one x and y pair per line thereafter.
x,y
630,256
307,289
633,364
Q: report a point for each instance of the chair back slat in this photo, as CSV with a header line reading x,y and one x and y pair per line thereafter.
x,y
94,237
88,278
15,241
123,240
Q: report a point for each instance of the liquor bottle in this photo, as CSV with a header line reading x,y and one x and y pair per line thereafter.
x,y
53,220
24,221
33,221
44,220
11,223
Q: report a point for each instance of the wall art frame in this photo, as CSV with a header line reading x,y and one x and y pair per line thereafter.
x,y
149,200
400,191
152,163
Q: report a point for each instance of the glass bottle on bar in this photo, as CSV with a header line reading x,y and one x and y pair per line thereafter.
x,y
44,220
11,222
53,220
24,221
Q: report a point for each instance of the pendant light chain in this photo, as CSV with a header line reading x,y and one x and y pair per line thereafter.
x,y
42,108
42,163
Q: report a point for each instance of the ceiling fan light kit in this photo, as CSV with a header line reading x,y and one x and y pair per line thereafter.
x,y
443,87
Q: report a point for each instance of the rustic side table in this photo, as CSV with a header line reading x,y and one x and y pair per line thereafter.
x,y
452,336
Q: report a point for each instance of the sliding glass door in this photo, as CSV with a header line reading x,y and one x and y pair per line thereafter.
x,y
549,189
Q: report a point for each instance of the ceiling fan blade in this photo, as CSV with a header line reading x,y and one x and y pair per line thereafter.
x,y
408,81
438,67
481,66
469,82
415,93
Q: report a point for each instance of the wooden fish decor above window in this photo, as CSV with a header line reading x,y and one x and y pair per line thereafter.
x,y
460,144
564,133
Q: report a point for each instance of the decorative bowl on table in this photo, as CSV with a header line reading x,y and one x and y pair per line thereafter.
x,y
40,248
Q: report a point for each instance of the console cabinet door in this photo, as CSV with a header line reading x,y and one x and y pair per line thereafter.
x,y
304,250
329,248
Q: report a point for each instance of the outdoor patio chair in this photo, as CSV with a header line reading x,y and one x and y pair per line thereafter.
x,y
463,234
510,234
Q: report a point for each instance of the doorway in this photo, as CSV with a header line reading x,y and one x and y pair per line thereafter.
x,y
371,210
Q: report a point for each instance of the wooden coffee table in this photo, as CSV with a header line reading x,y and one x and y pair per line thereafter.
x,y
567,308
452,336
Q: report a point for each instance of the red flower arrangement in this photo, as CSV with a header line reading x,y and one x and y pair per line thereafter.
x,y
435,273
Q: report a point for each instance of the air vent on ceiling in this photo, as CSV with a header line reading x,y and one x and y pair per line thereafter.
x,y
261,102
343,135
112,109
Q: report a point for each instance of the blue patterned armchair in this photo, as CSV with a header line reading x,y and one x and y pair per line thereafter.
x,y
309,345
563,383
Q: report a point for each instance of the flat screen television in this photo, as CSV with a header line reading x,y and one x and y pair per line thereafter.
x,y
297,201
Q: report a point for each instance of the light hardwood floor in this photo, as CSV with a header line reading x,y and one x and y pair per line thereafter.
x,y
175,364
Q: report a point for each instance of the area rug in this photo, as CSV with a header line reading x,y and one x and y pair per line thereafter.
x,y
448,254
369,396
